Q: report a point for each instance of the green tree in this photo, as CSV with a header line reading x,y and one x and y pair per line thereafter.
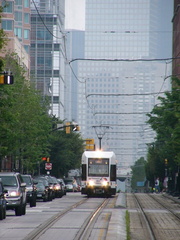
x,y
26,128
165,121
66,152
138,172
25,123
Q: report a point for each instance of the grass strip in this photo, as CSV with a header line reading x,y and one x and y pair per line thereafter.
x,y
127,225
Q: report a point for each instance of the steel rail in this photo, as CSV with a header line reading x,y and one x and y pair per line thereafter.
x,y
164,205
148,224
35,234
87,227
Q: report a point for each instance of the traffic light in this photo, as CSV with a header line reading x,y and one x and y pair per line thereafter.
x,y
68,127
47,159
6,79
76,128
71,127
166,162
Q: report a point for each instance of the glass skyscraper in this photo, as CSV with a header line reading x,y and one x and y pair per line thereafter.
x,y
47,52
117,84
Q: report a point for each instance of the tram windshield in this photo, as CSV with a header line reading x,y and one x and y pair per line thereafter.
x,y
98,167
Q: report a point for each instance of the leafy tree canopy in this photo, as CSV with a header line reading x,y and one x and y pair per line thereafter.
x,y
165,120
138,172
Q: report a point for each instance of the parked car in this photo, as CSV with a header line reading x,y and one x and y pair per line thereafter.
x,y
47,185
31,190
16,192
42,191
56,186
2,201
63,185
51,186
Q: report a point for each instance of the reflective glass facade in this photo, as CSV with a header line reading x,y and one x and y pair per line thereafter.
x,y
47,52
118,92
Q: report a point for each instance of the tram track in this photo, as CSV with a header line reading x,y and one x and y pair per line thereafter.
x,y
147,222
162,223
84,230
87,227
35,234
166,207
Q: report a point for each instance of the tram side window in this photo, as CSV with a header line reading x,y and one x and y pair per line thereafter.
x,y
84,174
113,173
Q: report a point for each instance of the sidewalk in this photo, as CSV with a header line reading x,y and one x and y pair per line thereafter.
x,y
117,225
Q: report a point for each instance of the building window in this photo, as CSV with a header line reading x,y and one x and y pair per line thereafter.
x,y
40,60
26,18
26,34
26,47
26,4
43,35
7,25
55,99
18,32
56,73
7,7
18,16
56,47
18,2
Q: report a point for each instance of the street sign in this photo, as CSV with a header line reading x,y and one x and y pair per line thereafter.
x,y
89,141
48,166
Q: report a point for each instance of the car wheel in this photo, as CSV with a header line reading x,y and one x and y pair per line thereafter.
x,y
18,210
50,197
24,209
31,203
45,199
34,202
4,213
1,213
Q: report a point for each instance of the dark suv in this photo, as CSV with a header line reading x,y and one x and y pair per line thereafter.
x,y
2,202
16,195
30,189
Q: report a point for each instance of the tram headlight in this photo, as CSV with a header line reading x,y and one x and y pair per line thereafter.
x,y
91,183
104,183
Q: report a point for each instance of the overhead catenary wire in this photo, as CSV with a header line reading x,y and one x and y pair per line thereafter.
x,y
124,59
127,94
63,34
44,22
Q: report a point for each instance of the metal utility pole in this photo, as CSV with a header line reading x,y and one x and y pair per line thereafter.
x,y
100,132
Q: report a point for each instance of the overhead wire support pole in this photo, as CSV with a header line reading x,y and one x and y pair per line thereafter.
x,y
100,133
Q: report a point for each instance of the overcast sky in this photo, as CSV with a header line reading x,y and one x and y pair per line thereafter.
x,y
75,14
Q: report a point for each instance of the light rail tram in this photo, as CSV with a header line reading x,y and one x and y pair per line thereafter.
x,y
98,173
